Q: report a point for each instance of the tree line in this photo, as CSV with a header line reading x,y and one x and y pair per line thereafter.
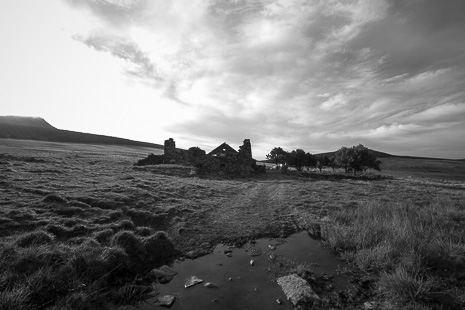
x,y
352,159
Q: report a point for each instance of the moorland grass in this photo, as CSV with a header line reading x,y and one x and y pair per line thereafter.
x,y
418,251
56,269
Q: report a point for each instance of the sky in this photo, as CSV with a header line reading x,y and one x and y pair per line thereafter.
x,y
315,75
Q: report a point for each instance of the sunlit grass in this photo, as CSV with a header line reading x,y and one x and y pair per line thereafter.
x,y
417,250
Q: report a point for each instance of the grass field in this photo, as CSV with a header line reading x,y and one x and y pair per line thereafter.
x,y
81,226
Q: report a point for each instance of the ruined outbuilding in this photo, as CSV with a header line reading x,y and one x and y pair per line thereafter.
x,y
223,160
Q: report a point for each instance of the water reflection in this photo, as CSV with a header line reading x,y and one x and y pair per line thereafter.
x,y
241,285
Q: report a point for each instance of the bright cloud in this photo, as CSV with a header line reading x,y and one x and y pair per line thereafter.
x,y
297,74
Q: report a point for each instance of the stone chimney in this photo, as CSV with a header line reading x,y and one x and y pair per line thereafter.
x,y
170,149
246,148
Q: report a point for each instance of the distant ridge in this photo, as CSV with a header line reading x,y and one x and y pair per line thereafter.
x,y
36,128
379,154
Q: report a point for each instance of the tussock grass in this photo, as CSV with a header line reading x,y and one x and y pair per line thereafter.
x,y
142,217
34,238
418,250
104,236
39,271
54,198
124,225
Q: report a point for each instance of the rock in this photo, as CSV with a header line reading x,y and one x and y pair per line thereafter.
x,y
228,253
369,305
279,301
230,279
166,300
164,274
296,289
272,256
255,252
251,262
215,300
210,285
272,247
192,281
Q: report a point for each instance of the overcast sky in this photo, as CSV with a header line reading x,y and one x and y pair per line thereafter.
x,y
315,75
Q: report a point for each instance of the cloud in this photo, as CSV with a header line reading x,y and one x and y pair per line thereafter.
x,y
140,64
295,71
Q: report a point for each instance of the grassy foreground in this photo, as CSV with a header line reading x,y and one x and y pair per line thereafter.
x,y
416,253
81,227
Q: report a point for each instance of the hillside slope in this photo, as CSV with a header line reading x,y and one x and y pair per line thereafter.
x,y
36,128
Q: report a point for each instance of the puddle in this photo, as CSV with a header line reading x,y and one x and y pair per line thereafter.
x,y
250,287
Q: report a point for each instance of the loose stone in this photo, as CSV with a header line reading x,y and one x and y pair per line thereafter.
x,y
296,289
192,281
166,301
251,262
164,274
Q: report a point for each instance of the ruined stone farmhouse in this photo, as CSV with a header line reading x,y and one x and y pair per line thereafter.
x,y
223,160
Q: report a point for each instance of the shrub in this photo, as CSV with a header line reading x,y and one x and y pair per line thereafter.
x,y
151,159
34,238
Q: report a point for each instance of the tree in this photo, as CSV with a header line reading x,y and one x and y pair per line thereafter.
x,y
342,158
298,159
310,160
356,158
365,159
278,155
322,161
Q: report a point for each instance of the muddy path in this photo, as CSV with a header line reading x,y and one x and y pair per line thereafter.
x,y
256,209
260,208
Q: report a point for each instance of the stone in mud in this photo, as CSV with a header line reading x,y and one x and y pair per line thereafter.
x,y
191,281
296,289
210,285
166,301
126,307
255,252
251,262
164,274
369,305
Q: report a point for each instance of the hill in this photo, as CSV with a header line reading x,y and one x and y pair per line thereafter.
x,y
36,128
378,154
